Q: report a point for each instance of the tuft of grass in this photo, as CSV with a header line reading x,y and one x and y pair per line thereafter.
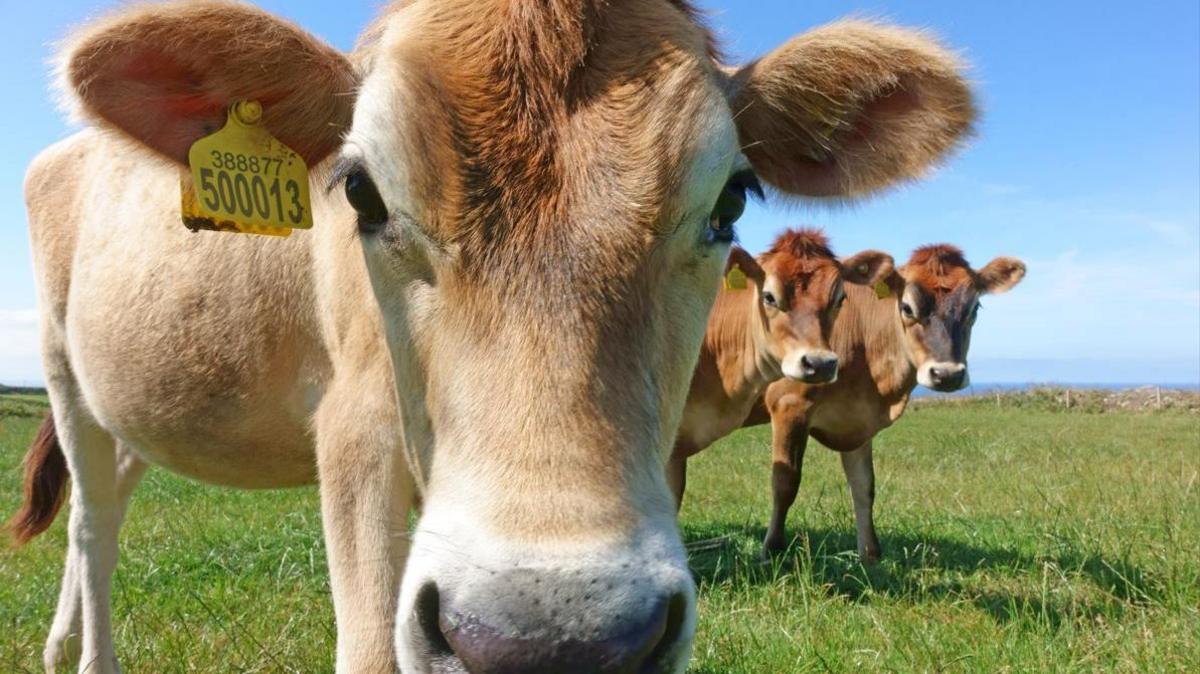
x,y
1015,539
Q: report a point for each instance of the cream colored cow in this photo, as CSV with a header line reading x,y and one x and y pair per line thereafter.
x,y
496,315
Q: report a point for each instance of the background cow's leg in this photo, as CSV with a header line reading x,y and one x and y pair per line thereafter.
x,y
789,438
860,473
65,640
366,495
677,476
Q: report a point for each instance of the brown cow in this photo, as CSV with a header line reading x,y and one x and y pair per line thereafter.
x,y
496,314
918,332
778,325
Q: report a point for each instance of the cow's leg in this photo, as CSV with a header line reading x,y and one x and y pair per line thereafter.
x,y
92,526
64,642
789,438
860,473
677,476
366,495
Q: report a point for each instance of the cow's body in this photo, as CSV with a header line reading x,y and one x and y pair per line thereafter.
x,y
495,314
882,357
219,360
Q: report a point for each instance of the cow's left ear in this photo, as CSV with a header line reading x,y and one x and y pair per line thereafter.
x,y
744,261
166,73
1000,275
850,108
867,267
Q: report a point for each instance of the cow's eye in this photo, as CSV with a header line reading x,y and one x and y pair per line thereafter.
x,y
768,299
731,204
364,197
908,311
974,312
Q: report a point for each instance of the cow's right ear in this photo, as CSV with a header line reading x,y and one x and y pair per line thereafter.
x,y
739,258
165,74
867,268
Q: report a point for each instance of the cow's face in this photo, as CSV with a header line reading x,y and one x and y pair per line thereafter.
x,y
800,291
545,194
938,308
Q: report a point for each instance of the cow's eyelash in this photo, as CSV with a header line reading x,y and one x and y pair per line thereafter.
x,y
344,167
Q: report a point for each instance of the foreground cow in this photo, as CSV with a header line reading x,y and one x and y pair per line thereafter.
x,y
497,313
777,325
917,333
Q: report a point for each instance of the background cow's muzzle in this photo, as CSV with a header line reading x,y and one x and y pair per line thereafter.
x,y
944,377
811,366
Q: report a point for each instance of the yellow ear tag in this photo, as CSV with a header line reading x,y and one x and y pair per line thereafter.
x,y
882,289
735,279
244,180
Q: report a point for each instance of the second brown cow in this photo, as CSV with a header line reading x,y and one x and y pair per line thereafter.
x,y
915,328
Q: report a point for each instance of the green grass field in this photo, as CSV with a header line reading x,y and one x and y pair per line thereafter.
x,y
1014,540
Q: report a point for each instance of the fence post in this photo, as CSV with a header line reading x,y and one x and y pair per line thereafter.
x,y
1068,398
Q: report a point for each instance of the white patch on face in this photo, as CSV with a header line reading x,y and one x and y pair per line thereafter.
x,y
376,137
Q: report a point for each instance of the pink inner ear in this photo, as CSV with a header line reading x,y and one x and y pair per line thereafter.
x,y
897,102
159,101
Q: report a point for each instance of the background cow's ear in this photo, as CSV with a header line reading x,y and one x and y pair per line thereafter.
x,y
1000,275
746,262
166,73
867,267
850,108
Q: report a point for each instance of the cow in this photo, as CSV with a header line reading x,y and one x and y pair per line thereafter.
x,y
914,328
521,209
776,325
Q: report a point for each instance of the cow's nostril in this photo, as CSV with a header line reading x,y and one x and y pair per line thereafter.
x,y
428,612
667,643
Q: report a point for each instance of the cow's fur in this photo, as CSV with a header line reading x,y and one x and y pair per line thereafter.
x,y
512,347
749,344
883,354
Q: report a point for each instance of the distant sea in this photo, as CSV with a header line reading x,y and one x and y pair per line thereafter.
x,y
991,387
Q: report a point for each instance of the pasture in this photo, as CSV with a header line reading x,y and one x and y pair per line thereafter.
x,y
1015,539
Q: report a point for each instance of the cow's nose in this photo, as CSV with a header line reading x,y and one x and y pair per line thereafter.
x,y
948,377
818,367
531,625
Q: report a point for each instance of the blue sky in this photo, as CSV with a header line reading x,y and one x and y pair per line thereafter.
x,y
1087,167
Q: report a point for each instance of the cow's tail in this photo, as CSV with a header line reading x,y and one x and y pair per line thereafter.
x,y
46,478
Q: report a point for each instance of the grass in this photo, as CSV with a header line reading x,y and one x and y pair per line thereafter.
x,y
1014,540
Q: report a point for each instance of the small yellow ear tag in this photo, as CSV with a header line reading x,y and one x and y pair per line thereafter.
x,y
882,289
735,279
244,180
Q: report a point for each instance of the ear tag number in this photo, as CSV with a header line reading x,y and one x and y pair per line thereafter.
x,y
882,289
735,279
243,179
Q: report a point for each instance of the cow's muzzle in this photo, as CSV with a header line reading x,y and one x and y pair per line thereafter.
x,y
816,366
943,377
603,614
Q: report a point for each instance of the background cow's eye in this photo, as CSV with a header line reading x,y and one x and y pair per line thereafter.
x,y
731,204
907,310
364,197
768,298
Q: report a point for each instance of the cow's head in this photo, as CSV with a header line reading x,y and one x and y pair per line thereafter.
x,y
545,192
799,287
938,300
